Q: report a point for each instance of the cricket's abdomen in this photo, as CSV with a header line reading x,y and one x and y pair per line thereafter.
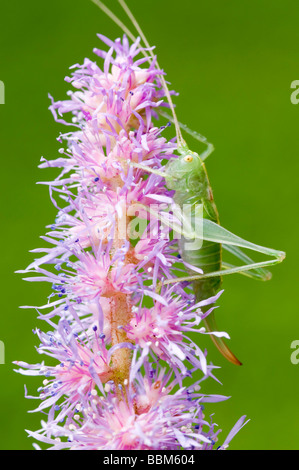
x,y
209,256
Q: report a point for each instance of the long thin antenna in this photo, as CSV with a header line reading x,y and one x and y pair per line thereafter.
x,y
116,20
122,26
125,7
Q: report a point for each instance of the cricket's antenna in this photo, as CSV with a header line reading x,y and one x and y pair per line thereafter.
x,y
122,26
114,18
125,7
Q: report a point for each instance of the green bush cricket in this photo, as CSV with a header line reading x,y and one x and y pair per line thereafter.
x,y
187,175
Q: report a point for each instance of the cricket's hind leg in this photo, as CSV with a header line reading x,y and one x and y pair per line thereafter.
x,y
215,233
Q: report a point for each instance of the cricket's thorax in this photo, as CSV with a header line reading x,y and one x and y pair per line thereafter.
x,y
187,178
191,184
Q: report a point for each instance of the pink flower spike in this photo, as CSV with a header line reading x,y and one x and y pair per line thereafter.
x,y
113,320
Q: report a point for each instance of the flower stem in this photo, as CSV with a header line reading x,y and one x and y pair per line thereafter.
x,y
120,316
121,313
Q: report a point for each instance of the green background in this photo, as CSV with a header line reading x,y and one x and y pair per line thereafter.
x,y
232,62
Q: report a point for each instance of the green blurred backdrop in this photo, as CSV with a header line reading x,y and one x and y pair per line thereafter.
x,y
233,63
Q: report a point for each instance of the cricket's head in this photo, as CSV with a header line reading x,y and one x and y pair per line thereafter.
x,y
187,165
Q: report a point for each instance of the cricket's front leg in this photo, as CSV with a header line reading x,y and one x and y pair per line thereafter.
x,y
196,135
147,169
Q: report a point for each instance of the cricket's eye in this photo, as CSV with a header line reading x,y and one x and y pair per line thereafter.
x,y
188,158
